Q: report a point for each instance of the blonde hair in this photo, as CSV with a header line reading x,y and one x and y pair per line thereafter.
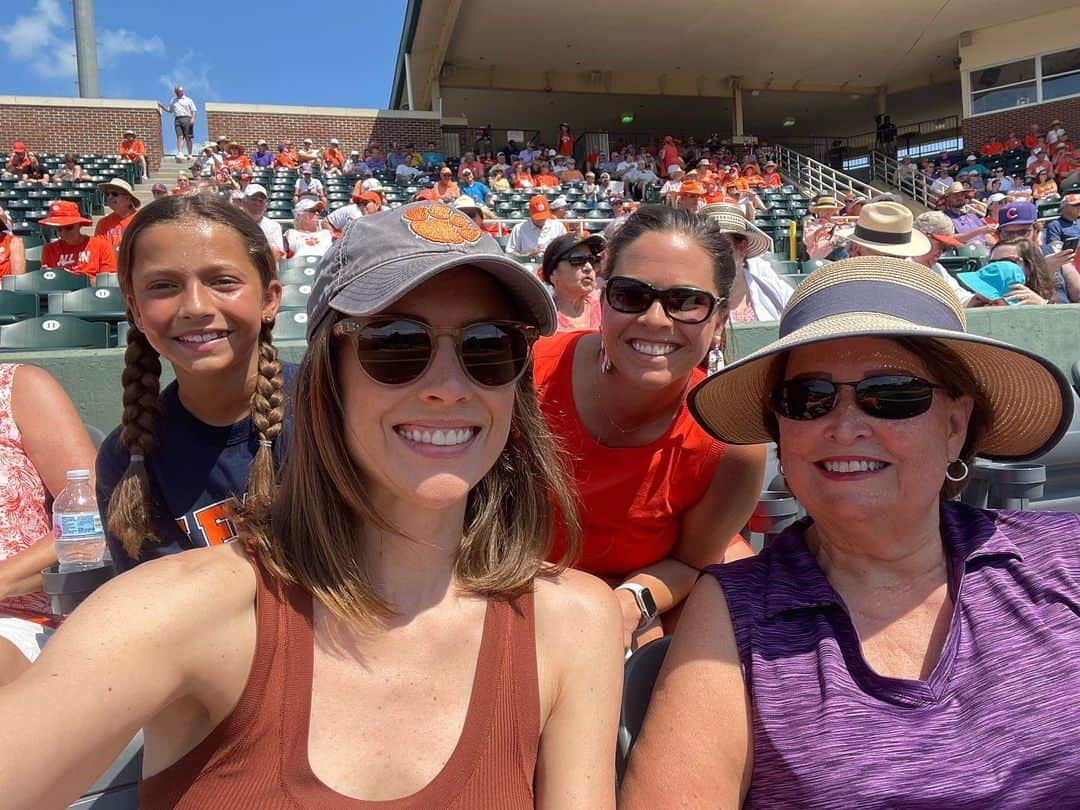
x,y
130,507
308,535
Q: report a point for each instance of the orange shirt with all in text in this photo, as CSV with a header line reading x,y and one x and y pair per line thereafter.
x,y
237,163
91,256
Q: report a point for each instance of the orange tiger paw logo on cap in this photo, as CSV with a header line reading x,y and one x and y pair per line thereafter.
x,y
441,224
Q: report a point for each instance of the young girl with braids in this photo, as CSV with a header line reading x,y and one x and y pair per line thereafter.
x,y
201,289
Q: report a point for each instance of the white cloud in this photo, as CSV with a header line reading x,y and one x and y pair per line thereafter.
x,y
43,41
193,74
121,42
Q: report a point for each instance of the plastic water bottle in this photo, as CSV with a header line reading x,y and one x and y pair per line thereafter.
x,y
80,540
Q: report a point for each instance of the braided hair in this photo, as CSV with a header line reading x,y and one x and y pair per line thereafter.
x,y
131,505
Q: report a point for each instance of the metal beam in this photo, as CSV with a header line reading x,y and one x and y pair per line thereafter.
x,y
86,49
443,43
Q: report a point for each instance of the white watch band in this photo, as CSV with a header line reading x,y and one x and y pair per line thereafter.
x,y
636,590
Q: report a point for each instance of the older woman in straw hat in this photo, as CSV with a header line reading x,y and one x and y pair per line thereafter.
x,y
757,292
823,234
895,648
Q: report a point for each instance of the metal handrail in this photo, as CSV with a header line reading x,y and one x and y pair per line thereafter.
x,y
917,186
820,178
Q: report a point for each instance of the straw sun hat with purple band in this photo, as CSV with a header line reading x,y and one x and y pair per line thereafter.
x,y
880,296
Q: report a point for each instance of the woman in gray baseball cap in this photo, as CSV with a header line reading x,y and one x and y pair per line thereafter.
x,y
387,629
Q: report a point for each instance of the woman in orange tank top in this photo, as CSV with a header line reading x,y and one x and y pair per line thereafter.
x,y
659,499
387,632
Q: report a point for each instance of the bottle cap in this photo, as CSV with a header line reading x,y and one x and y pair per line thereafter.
x,y
78,475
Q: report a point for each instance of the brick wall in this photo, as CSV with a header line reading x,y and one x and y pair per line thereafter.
x,y
981,128
354,128
81,125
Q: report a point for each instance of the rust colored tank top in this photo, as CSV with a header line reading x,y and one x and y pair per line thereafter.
x,y
257,756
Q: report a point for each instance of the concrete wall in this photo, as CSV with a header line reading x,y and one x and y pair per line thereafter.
x,y
92,376
355,128
84,125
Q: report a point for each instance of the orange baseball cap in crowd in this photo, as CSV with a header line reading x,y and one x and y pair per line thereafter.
x,y
539,208
64,212
691,188
372,197
18,146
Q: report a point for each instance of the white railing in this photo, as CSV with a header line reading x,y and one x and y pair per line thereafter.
x,y
821,179
911,182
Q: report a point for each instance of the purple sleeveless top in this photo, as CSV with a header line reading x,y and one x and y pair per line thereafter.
x,y
997,725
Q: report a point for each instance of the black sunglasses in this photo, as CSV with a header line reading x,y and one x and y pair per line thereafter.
x,y
683,304
396,350
579,259
890,396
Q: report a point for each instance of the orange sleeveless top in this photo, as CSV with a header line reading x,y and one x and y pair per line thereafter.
x,y
256,759
630,499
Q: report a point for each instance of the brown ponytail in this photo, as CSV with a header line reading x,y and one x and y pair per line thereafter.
x,y
129,506
267,416
129,517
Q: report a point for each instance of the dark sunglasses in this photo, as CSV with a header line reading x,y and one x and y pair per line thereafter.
x,y
579,259
398,350
890,396
683,304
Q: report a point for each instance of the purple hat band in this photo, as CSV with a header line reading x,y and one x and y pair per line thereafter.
x,y
880,297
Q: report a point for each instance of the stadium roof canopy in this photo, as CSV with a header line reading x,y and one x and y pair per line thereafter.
x,y
489,61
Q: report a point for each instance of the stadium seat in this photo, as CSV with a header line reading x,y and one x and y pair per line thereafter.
x,y
44,282
90,304
54,332
295,296
301,261
107,280
16,306
639,677
813,264
298,275
291,324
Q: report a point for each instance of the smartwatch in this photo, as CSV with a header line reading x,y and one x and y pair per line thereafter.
x,y
645,602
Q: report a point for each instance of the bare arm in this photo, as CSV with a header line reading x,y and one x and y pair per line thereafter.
x,y
18,256
171,629
1072,282
55,441
695,748
580,670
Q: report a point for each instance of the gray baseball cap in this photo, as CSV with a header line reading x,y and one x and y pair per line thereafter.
x,y
383,256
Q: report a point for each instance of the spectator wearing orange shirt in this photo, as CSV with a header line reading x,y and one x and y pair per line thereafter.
x,y
286,157
235,159
1031,140
992,147
771,176
74,251
124,204
669,155
522,176
546,179
21,161
333,158
1011,141
566,140
133,150
446,188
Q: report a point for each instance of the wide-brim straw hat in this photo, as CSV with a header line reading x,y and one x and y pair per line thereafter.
x,y
123,187
954,188
825,204
731,219
1031,402
888,227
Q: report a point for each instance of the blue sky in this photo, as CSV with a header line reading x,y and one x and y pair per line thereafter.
x,y
219,51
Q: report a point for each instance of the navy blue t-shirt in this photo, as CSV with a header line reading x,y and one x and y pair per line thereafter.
x,y
198,476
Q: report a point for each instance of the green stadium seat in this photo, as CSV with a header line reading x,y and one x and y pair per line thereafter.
x,y
16,306
298,274
291,325
300,262
53,332
107,280
813,264
91,304
122,329
44,282
295,296
959,264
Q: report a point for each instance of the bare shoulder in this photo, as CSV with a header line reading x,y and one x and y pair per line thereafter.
x,y
576,597
196,588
